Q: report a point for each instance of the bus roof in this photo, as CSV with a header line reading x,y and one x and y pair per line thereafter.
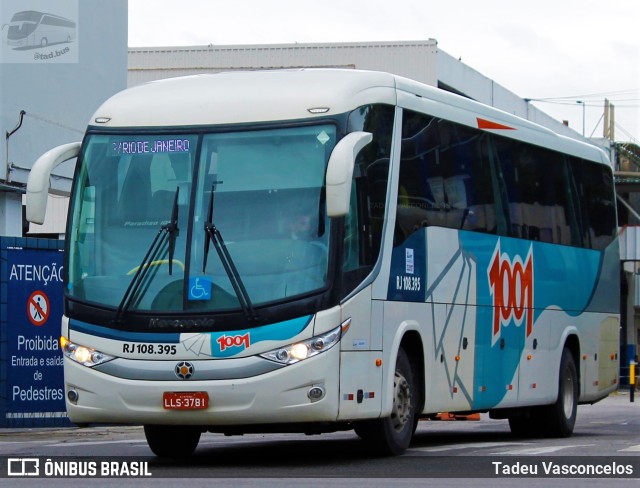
x,y
212,99
241,97
32,16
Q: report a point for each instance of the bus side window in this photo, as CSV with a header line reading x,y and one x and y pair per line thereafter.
x,y
599,204
352,234
372,171
364,225
541,194
445,178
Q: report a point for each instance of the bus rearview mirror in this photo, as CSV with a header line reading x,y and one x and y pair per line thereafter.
x,y
340,172
38,182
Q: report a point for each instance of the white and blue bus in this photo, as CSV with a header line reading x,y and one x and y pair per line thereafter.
x,y
321,250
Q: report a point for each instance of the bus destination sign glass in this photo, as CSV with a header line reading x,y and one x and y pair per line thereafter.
x,y
151,146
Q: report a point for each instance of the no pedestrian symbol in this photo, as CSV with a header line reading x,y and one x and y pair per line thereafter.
x,y
38,308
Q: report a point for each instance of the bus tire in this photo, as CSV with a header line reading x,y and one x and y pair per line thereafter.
x,y
172,441
561,416
392,435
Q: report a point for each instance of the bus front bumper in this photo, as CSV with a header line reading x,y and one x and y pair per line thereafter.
x,y
281,396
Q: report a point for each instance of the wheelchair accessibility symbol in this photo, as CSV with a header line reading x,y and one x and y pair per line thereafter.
x,y
200,288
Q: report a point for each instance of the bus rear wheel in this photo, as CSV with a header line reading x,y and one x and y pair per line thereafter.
x,y
172,441
561,416
558,419
392,435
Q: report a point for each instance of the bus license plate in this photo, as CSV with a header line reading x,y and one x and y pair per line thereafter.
x,y
185,400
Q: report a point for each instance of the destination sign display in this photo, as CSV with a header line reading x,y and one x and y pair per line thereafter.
x,y
150,146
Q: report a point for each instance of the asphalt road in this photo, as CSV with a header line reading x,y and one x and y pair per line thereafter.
x,y
451,453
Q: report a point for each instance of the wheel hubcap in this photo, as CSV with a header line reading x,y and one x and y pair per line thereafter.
x,y
401,411
568,395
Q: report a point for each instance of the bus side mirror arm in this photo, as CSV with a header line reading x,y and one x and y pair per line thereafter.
x,y
340,172
38,182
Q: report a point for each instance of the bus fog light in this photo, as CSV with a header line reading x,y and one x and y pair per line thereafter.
x,y
73,396
316,393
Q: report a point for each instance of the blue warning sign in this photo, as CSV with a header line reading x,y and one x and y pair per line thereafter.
x,y
35,385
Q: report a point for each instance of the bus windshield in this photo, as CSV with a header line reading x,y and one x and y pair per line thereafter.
x,y
20,30
261,189
23,24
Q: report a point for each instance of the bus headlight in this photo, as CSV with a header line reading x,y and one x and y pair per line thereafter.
x,y
294,353
82,354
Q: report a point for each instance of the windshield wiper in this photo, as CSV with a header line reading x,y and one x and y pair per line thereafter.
x,y
171,229
213,235
168,231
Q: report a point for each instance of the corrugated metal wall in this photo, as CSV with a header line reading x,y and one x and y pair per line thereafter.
x,y
415,60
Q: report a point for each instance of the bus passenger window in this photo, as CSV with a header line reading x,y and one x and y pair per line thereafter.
x,y
599,204
445,178
541,203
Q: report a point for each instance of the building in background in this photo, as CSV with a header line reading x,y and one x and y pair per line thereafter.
x,y
58,62
422,61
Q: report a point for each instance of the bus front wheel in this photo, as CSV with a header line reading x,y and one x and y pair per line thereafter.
x,y
392,435
172,441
